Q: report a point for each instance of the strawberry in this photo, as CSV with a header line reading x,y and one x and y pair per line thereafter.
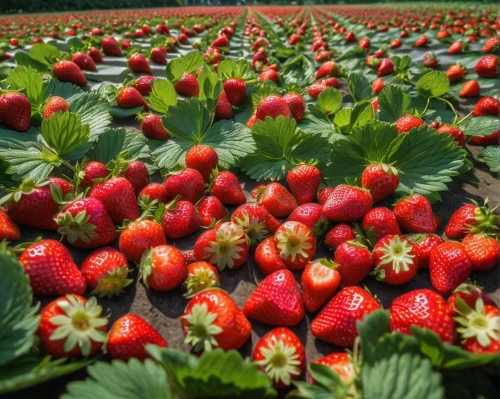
x,y
129,97
276,301
339,234
296,105
277,200
487,67
267,258
159,55
163,268
153,191
271,75
470,89
226,187
91,171
139,64
316,88
152,127
454,132
408,122
187,183
84,61
483,251
364,43
449,266
118,197
129,336
272,106
472,218
211,211
96,55
15,111
202,158
252,218
304,181
64,186
220,41
456,72
422,41
377,86
422,308
423,244
212,319
469,293
235,89
310,215
213,56
201,276
180,219
491,45
295,244
414,214
110,47
486,106
224,109
137,174
51,269
144,84
380,179
55,104
68,71
354,262
336,323
8,228
490,139
386,68
347,203
378,223
71,326
395,260
188,85
324,194
85,223
430,60
442,34
183,39
455,47
327,69
319,282
105,271
139,236
340,363
281,355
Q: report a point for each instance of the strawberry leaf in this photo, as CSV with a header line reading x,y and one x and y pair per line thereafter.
x,y
93,110
491,157
162,96
45,53
123,113
210,88
64,132
347,119
316,121
235,69
24,59
188,63
330,101
359,87
28,79
115,142
393,103
298,70
480,126
433,84
188,119
54,87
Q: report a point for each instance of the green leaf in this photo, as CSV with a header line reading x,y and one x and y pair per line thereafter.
x,y
433,84
24,59
64,132
480,126
162,95
316,121
299,70
193,60
189,63
45,53
18,322
328,385
171,153
119,141
120,380
54,87
373,327
342,121
27,78
359,87
210,88
330,100
216,374
188,119
362,113
491,157
393,102
93,110
122,113
232,69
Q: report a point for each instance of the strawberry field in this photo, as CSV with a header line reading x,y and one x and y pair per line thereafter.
x,y
250,202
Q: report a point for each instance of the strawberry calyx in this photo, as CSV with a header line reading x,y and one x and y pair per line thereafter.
x,y
254,228
112,283
292,243
397,254
79,324
201,330
280,361
76,227
486,221
213,175
146,266
226,247
26,187
201,280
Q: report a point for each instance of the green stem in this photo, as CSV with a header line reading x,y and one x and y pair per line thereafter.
x,y
68,165
464,118
426,107
450,105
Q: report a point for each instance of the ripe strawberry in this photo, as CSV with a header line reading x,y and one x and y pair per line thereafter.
x,y
470,89
486,106
422,41
491,45
364,43
152,127
311,215
340,363
111,47
347,203
471,218
276,301
118,197
137,174
386,68
159,55
235,89
408,122
327,69
380,179
212,319
455,47
202,158
71,326
252,218
64,186
129,97
267,258
85,223
316,88
395,260
336,323
51,269
355,262
55,104
449,266
272,106
129,336
339,234
295,244
144,84
15,111
442,34
414,214
188,85
454,132
281,355
180,219
423,244
68,71
304,181
139,64
490,139
487,67
296,105
187,183
422,308
224,109
163,268
483,251
469,293
8,228
91,171
84,61
211,211
324,194
226,187
430,60
456,72
319,282
201,276
377,86
96,55
271,75
153,191
277,200
378,223
139,236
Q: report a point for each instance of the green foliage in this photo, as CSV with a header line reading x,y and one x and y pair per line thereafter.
x,y
64,131
491,157
480,126
330,101
188,63
393,103
27,78
162,95
433,84
359,87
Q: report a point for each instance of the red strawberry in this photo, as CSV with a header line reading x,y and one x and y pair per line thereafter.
x,y
8,228
137,174
296,105
277,200
271,75
267,258
355,262
253,220
377,86
336,323
55,104
71,326
456,72
449,266
84,61
430,60
491,45
304,181
272,106
486,106
129,336
340,363
91,171
153,191
380,179
224,109
414,214
180,219
187,183
51,269
487,67
235,89
152,127
129,97
202,158
276,301
68,71
378,223
96,55
188,85
295,244
347,203
15,111
423,244
105,271
311,215
470,89
483,251
422,308
408,122
63,185
421,41
395,260
226,187
386,68
281,355
364,43
455,47
159,55
319,282
324,194
469,293
490,139
472,218
139,64
328,68
212,319
111,47
139,236
163,268
339,234
144,84
85,223
201,276
316,88
454,132
211,211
